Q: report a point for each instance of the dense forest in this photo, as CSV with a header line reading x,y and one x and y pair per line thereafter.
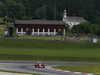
x,y
51,9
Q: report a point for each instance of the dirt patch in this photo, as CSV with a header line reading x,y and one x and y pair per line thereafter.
x,y
2,28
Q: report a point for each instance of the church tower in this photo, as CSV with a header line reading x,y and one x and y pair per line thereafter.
x,y
64,15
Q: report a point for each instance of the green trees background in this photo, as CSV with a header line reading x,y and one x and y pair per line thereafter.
x,y
86,28
51,9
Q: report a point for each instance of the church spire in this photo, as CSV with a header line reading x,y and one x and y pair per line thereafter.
x,y
65,14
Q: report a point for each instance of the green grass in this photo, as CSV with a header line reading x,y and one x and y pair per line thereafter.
x,y
57,38
1,20
44,37
48,50
95,69
2,28
18,72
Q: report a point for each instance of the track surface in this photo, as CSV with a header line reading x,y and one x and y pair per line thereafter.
x,y
28,66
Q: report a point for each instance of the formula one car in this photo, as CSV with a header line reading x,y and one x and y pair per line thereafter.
x,y
39,65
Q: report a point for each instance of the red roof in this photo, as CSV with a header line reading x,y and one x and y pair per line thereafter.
x,y
40,22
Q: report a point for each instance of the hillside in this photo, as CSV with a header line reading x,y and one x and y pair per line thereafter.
x,y
51,9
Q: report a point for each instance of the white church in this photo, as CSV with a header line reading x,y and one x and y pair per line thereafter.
x,y
71,21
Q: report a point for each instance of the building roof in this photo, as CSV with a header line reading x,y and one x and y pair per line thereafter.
x,y
75,19
39,22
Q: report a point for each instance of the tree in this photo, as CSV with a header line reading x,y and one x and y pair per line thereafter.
x,y
28,32
60,32
51,9
20,10
3,9
36,15
11,8
14,9
25,18
67,28
85,28
42,12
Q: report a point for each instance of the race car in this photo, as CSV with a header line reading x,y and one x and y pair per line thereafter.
x,y
39,65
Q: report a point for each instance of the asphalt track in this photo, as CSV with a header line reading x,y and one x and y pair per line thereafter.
x,y
28,66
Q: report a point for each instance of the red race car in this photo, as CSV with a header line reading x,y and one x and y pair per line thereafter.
x,y
39,65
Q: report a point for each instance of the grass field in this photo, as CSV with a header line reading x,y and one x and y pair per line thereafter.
x,y
94,69
48,50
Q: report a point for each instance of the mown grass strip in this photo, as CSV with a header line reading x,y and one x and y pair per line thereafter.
x,y
47,58
48,50
46,44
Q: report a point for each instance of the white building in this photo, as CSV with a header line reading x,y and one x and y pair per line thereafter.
x,y
71,21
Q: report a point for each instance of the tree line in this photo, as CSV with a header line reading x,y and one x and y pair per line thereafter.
x,y
50,9
86,28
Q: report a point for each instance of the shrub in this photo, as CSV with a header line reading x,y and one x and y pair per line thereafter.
x,y
29,32
60,32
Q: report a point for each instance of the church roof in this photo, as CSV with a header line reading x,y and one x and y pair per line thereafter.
x,y
75,19
39,22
